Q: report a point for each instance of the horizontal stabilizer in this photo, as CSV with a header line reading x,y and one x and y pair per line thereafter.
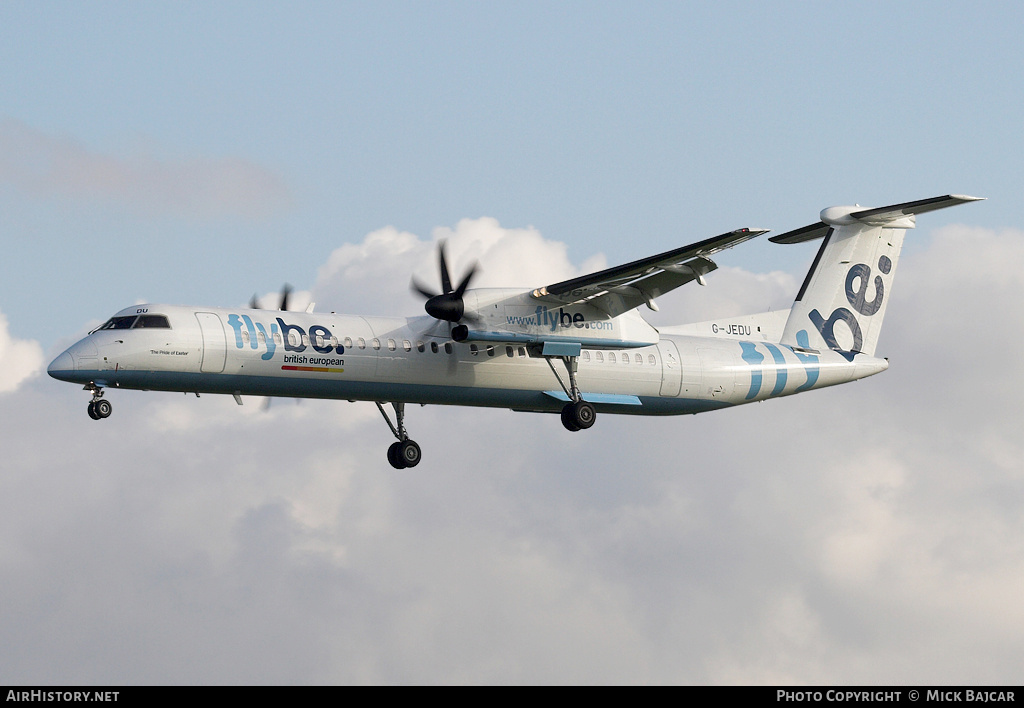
x,y
921,206
807,233
894,216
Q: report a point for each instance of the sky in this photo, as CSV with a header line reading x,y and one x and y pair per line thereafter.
x,y
196,154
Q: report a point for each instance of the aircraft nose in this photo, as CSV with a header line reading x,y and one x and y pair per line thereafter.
x,y
60,367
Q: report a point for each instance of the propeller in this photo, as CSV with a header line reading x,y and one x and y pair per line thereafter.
x,y
286,291
447,305
254,304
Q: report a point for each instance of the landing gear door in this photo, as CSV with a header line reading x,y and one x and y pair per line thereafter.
x,y
671,368
215,349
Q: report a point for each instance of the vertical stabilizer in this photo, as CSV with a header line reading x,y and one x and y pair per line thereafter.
x,y
843,299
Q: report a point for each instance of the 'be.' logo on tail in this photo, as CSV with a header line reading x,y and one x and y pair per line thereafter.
x,y
859,301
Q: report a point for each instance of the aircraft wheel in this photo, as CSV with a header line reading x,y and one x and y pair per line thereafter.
x,y
584,414
569,418
92,410
103,408
578,416
409,452
395,456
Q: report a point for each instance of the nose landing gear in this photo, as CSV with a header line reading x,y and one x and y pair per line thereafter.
x,y
99,407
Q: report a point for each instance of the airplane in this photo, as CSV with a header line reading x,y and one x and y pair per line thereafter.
x,y
577,348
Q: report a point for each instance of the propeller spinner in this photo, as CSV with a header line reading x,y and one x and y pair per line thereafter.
x,y
447,305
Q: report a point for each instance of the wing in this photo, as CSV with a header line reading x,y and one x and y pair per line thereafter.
x,y
622,288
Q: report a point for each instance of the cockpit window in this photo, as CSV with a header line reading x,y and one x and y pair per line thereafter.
x,y
151,322
119,322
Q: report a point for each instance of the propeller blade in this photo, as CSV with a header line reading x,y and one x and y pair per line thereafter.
x,y
461,290
416,287
446,281
254,304
285,292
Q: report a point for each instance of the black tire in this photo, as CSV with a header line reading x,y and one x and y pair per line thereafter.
x,y
410,453
92,410
103,408
569,418
395,456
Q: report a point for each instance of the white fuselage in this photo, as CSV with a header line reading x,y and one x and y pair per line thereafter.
x,y
412,360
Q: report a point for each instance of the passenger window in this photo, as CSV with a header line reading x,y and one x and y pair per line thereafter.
x,y
348,342
639,358
391,345
586,356
599,357
651,360
433,347
473,349
361,343
447,347
407,345
611,357
509,352
522,351
375,343
625,358
490,351
420,347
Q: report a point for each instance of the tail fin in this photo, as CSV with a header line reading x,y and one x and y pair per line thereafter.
x,y
851,277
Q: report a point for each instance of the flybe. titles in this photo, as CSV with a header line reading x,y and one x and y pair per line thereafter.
x,y
553,320
292,337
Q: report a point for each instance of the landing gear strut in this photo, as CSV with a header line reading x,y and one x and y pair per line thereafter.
x,y
577,414
405,452
99,407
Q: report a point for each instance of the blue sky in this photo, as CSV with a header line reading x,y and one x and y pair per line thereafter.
x,y
614,129
196,153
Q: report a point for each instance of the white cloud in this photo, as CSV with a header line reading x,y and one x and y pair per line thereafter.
x,y
45,166
866,533
374,277
20,359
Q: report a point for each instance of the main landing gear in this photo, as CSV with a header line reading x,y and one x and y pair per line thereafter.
x,y
405,452
99,407
577,414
